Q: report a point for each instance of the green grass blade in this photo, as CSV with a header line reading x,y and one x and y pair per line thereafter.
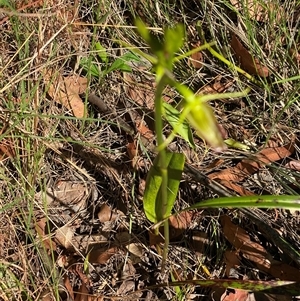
x,y
287,288
262,201
121,63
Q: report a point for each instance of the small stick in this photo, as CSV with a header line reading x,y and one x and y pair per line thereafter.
x,y
103,108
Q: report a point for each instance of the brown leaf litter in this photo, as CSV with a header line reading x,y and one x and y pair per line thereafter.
x,y
218,84
69,194
256,253
178,224
66,90
250,64
196,59
230,176
260,10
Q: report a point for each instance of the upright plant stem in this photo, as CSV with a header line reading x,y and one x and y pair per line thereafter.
x,y
161,79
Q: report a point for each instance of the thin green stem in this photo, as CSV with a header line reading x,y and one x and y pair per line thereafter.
x,y
223,59
161,79
232,66
192,51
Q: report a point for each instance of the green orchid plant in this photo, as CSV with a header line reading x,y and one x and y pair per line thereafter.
x,y
164,177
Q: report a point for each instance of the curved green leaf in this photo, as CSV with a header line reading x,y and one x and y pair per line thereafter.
x,y
152,202
102,53
183,129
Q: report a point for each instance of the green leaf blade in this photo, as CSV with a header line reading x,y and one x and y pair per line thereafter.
x,y
121,63
262,201
174,38
102,53
175,169
152,201
154,43
89,66
183,129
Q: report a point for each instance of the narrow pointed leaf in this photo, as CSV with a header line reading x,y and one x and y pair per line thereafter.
x,y
101,52
235,144
174,38
154,43
278,287
183,129
89,66
121,63
262,201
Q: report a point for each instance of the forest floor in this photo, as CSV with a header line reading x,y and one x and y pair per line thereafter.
x,y
77,141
